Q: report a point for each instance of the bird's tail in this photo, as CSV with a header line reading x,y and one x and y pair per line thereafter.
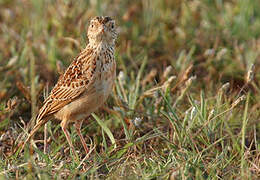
x,y
21,145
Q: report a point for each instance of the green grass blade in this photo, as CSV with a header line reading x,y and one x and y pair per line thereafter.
x,y
105,128
133,96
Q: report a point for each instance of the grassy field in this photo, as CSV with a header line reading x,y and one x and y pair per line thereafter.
x,y
186,104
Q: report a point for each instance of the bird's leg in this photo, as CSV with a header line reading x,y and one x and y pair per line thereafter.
x,y
64,129
78,127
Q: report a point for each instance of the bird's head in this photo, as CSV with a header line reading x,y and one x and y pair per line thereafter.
x,y
102,29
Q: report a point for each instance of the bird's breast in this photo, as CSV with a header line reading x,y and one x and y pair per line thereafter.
x,y
105,81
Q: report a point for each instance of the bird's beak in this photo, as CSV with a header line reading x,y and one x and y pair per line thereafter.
x,y
102,31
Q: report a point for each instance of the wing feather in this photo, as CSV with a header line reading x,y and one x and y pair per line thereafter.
x,y
71,84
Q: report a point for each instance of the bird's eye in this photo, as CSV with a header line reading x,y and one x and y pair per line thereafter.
x,y
112,26
92,25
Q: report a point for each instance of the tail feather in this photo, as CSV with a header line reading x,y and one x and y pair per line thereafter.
x,y
33,131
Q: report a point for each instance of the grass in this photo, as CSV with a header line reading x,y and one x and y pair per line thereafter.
x,y
186,100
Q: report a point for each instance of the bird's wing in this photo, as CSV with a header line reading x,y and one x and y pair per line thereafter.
x,y
76,80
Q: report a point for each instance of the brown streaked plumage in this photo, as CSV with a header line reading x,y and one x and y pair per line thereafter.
x,y
86,83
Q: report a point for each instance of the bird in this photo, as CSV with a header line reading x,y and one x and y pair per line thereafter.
x,y
85,85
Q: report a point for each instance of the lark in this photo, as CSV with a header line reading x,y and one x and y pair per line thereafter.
x,y
85,85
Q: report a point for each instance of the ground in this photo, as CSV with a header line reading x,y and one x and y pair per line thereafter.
x,y
186,102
